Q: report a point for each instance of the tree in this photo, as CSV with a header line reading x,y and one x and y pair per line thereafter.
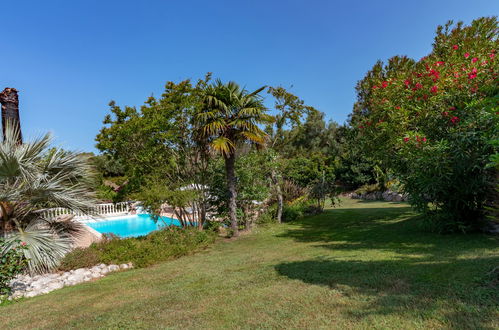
x,y
10,111
161,151
430,123
252,185
290,110
231,117
33,177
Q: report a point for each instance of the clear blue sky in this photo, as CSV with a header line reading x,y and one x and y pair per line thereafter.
x,y
68,59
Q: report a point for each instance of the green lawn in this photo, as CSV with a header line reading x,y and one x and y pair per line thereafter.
x,y
362,265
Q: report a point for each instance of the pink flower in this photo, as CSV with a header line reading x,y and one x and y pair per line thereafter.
x,y
474,60
23,243
424,139
466,55
491,55
384,84
397,107
406,139
434,89
452,108
455,46
418,86
445,113
439,63
407,82
472,75
454,119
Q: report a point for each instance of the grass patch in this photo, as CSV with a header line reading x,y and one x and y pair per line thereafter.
x,y
362,265
162,245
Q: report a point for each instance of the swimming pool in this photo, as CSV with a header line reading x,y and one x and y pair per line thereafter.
x,y
132,225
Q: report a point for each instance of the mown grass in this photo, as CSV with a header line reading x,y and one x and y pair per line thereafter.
x,y
362,265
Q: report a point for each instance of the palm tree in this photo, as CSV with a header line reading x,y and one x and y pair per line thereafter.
x,y
230,117
34,176
10,110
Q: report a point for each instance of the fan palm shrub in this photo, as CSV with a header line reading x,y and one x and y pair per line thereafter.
x,y
34,176
230,117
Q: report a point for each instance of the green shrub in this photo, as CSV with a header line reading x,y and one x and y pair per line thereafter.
x,y
292,212
368,188
144,251
268,216
79,258
12,263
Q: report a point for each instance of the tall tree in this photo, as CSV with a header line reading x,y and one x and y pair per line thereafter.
x,y
231,117
10,111
160,149
290,110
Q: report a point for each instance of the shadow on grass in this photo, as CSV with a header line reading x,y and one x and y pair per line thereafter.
x,y
412,289
383,253
397,229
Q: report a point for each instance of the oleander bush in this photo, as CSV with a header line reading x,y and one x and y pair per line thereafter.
x,y
161,245
430,122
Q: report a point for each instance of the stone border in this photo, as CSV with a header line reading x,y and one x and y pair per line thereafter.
x,y
388,196
27,286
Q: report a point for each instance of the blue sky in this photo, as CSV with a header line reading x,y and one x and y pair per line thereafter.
x,y
68,59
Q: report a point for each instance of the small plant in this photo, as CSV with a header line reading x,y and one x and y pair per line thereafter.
x,y
12,263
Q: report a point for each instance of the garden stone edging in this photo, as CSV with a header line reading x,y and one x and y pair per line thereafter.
x,y
30,286
389,196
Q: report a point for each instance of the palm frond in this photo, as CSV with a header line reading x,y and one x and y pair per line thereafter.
x,y
44,248
254,137
223,145
33,177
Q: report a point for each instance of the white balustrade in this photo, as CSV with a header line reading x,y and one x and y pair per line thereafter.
x,y
98,209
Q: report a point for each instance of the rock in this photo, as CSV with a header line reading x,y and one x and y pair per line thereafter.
x,y
96,275
124,266
55,285
75,278
113,268
21,287
53,276
95,269
80,271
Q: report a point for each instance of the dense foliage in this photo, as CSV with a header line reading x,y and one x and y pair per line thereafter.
x,y
12,263
158,246
430,122
212,150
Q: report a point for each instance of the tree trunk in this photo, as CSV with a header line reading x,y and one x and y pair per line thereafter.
x,y
10,111
231,185
280,202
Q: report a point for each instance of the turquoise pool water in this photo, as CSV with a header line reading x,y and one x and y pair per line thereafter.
x,y
132,226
